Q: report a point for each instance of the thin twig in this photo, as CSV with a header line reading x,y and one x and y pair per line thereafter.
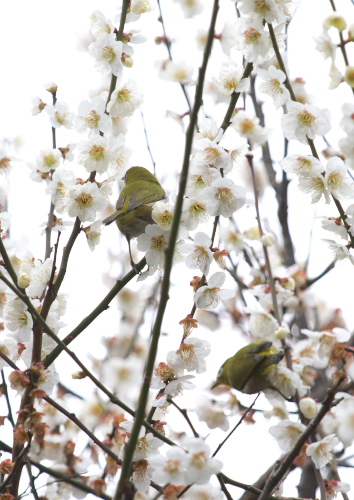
x,y
236,426
184,413
156,331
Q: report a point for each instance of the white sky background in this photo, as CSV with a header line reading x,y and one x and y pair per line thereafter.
x,y
38,43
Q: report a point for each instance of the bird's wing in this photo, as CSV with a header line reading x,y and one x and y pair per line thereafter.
x,y
253,368
144,197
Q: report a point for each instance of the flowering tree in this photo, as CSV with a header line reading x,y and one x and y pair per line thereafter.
x,y
135,432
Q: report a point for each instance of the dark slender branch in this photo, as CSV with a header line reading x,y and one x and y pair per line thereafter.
x,y
102,306
139,416
234,98
148,142
61,477
283,468
6,394
184,413
236,426
311,281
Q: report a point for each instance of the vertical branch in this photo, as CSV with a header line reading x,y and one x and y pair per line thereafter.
x,y
139,415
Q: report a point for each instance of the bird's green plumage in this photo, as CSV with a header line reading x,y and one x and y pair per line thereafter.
x,y
251,368
135,202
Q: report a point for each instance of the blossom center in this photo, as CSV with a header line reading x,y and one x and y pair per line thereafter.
x,y
124,95
247,126
61,117
306,119
224,194
84,200
173,466
186,351
97,152
158,243
252,36
199,460
4,163
92,119
50,161
108,54
334,179
262,7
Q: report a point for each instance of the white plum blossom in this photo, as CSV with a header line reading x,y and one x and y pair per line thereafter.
x,y
107,53
169,469
85,200
287,382
314,184
233,240
230,80
269,10
96,154
199,254
60,115
346,146
191,8
162,214
38,106
211,413
305,121
5,219
92,117
262,324
287,433
325,45
335,225
125,100
337,180
178,72
228,37
190,356
154,242
39,277
146,446
302,165
93,234
62,181
48,159
321,451
199,466
178,385
224,197
101,25
213,154
347,121
9,347
252,40
325,341
200,176
209,296
208,129
248,126
340,251
194,212
18,319
274,85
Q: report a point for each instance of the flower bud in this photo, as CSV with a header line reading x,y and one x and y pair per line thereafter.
x,y
78,375
288,283
51,87
336,21
349,75
268,239
23,280
308,407
282,332
351,33
127,61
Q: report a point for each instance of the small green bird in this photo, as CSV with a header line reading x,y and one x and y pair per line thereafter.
x,y
134,205
251,368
